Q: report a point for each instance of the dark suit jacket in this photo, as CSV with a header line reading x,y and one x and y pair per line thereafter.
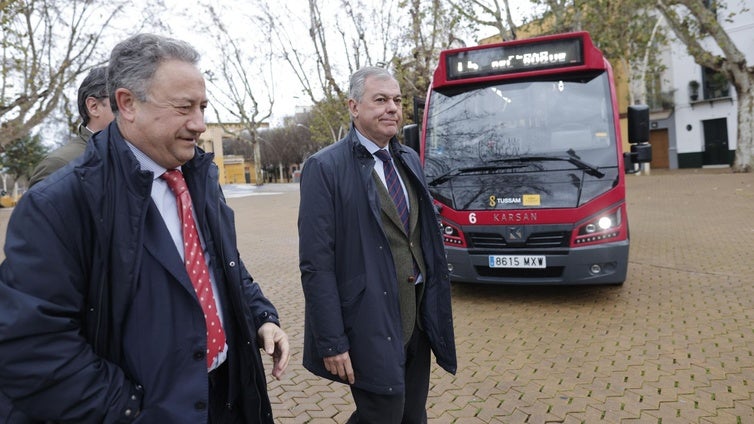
x,y
98,318
348,272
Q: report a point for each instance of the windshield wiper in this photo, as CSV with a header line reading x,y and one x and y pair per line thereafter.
x,y
589,169
471,170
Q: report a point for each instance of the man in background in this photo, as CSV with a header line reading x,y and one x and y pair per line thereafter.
x,y
95,112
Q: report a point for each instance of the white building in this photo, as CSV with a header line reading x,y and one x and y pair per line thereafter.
x,y
698,127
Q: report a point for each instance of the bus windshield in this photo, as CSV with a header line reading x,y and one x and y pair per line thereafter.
x,y
485,134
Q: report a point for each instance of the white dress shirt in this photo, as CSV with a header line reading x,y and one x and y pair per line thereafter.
x,y
167,205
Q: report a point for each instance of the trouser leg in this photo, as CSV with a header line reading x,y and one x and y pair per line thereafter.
x,y
418,361
409,408
372,408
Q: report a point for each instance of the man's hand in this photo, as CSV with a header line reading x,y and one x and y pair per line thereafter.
x,y
275,342
340,365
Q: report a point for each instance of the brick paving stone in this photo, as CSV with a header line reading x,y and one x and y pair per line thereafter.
x,y
741,414
681,412
591,415
487,408
541,412
516,417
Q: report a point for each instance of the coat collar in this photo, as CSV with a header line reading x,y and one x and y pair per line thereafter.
x,y
109,144
361,152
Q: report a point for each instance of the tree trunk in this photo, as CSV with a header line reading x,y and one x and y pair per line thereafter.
x,y
744,150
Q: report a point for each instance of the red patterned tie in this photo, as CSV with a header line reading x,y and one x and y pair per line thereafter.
x,y
196,266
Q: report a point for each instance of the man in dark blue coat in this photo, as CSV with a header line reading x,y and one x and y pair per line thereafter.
x,y
372,261
100,319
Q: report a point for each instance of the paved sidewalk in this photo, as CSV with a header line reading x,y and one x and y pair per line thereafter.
x,y
674,344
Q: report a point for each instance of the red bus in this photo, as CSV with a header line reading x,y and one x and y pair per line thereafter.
x,y
521,147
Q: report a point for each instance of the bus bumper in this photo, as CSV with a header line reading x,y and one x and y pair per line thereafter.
x,y
564,267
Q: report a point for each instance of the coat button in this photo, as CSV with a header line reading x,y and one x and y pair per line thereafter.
x,y
200,405
232,264
411,279
199,355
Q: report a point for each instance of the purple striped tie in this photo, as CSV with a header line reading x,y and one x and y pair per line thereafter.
x,y
394,186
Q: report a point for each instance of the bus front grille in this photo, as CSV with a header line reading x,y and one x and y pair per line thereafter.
x,y
533,241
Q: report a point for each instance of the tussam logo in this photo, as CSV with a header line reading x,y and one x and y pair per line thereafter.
x,y
503,201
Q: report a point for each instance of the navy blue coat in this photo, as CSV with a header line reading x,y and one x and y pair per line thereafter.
x,y
348,274
98,318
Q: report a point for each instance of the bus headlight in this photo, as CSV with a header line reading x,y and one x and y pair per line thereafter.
x,y
606,222
451,235
599,228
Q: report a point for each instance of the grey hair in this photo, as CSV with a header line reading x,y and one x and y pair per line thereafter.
x,y
134,61
358,80
94,85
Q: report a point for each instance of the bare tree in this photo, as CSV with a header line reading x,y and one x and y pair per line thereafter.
x,y
289,144
241,84
493,14
558,16
311,64
46,45
340,39
645,62
339,42
433,27
693,23
628,33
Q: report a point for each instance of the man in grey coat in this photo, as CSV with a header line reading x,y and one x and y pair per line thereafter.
x,y
372,262
95,112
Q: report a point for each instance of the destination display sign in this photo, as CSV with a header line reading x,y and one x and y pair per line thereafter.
x,y
505,59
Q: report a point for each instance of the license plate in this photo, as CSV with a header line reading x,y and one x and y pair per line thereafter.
x,y
518,261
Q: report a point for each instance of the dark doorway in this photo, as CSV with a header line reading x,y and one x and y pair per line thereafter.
x,y
715,142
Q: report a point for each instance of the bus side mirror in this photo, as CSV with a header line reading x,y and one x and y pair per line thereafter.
x,y
411,136
642,153
638,124
638,137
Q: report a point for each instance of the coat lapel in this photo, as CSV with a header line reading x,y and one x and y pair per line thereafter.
x,y
159,244
386,203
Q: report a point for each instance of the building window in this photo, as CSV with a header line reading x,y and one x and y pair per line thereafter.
x,y
715,84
